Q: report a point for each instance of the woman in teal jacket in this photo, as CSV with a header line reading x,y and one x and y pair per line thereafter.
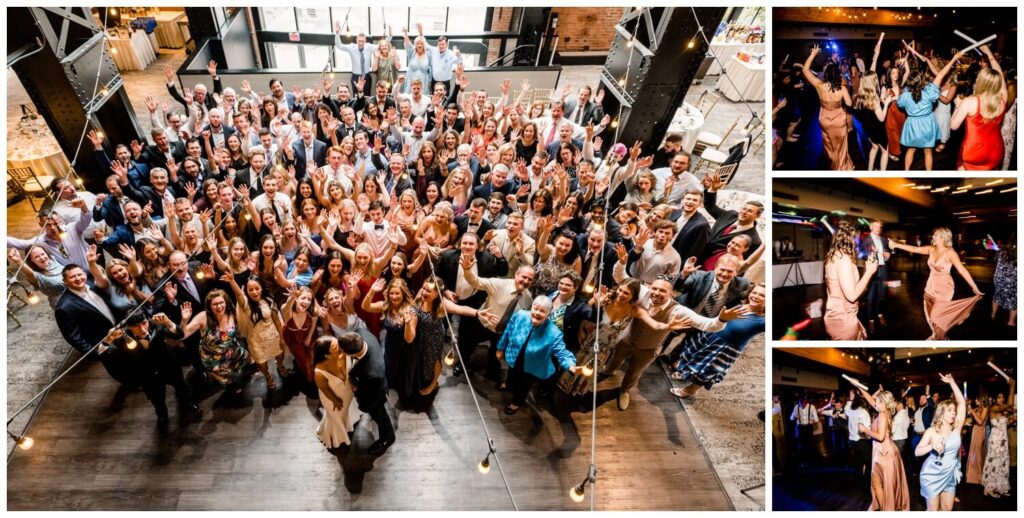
x,y
528,345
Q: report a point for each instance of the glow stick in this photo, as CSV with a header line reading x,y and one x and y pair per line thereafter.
x,y
824,221
976,43
998,370
905,392
854,382
965,390
966,37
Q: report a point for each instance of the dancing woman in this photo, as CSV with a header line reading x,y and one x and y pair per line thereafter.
x,y
982,149
888,479
918,99
832,117
941,443
995,477
976,453
870,110
845,285
940,310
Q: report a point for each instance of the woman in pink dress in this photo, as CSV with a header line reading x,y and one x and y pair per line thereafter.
x,y
940,310
845,285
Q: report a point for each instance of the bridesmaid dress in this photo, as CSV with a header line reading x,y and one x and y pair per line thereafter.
x,y
941,473
894,120
920,130
841,315
976,454
982,149
887,467
834,132
996,476
940,310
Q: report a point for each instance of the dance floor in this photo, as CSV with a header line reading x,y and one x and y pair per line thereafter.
x,y
834,489
96,449
903,309
809,154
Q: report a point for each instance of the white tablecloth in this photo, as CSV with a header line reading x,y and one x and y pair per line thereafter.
x,y
687,122
724,51
795,274
167,32
53,165
133,54
748,77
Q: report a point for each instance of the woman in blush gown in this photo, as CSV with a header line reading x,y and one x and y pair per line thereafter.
x,y
940,310
889,490
982,149
995,478
940,472
834,121
340,413
976,453
845,285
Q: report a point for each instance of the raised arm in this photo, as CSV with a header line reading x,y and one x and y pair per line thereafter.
x,y
961,405
808,75
994,63
878,50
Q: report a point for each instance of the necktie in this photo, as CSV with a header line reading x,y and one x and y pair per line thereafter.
x,y
710,306
579,114
191,287
509,311
551,134
728,230
362,62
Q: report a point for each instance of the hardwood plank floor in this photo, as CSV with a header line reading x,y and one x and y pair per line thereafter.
x,y
98,449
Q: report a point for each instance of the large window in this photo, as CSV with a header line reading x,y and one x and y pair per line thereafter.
x,y
278,18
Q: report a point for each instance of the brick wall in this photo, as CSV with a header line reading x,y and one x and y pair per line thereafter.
x,y
587,28
500,21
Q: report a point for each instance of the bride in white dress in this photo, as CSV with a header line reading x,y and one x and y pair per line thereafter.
x,y
340,412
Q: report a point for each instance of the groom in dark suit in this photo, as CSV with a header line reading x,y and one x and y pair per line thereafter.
x,y
878,245
370,385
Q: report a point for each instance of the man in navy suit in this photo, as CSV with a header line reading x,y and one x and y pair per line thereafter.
x,y
369,383
565,130
590,245
878,245
85,320
582,110
307,150
694,230
160,153
216,132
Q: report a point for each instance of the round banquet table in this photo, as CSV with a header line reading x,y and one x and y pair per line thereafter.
x,y
723,51
135,53
167,32
52,165
687,122
748,77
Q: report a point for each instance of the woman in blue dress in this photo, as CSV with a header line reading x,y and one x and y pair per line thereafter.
x,y
940,472
418,59
706,357
921,131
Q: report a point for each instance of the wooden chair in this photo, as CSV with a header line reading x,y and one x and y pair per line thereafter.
x,y
12,309
706,102
718,158
708,140
541,94
23,180
727,172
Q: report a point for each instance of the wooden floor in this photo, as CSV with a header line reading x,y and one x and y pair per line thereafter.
x,y
96,450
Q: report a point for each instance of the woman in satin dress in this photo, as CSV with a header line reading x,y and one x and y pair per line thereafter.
x,y
834,121
845,285
889,490
940,310
940,472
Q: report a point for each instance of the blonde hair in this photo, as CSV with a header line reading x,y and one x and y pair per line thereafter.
x,y
945,235
989,87
887,400
867,94
938,423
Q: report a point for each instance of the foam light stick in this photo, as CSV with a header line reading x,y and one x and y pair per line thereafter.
x,y
908,390
966,37
998,370
855,382
975,44
824,221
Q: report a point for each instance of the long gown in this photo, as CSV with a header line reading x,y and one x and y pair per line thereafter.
x,y
996,476
894,119
834,133
401,359
976,454
430,339
1005,281
705,357
942,474
610,335
841,321
943,114
887,467
335,425
940,310
982,149
295,338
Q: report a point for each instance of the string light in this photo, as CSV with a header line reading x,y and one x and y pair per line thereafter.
x,y
78,182
588,289
588,371
99,134
200,275
23,441
113,50
690,44
629,43
485,465
131,344
449,359
579,492
62,235
615,122
33,298
103,92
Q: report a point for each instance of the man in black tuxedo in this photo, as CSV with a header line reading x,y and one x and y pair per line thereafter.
x,y
878,245
694,231
582,110
590,245
307,150
160,153
183,285
473,219
252,176
369,383
449,269
729,223
154,193
85,320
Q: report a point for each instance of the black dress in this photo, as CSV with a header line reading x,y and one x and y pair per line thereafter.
x,y
401,359
873,128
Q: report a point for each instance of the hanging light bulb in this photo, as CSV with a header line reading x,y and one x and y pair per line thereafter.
x,y
485,465
62,235
588,371
23,441
131,344
113,11
690,44
200,275
331,74
449,358
622,81
578,492
629,43
588,289
113,50
99,134
348,30
415,226
103,92
247,216
33,298
78,182
615,123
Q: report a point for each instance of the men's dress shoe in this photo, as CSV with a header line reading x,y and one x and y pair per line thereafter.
x,y
623,400
457,371
380,446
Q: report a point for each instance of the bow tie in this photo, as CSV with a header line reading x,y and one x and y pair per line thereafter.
x,y
378,227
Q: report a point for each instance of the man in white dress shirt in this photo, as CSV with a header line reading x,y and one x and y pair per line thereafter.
x,y
877,245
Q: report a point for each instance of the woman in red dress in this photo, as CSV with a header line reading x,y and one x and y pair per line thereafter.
x,y
895,117
300,329
982,149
